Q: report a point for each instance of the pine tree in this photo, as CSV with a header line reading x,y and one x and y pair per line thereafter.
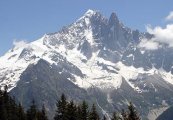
x,y
84,110
9,110
20,113
12,109
104,117
71,111
3,113
115,116
41,115
93,113
124,115
61,109
3,104
133,115
79,113
32,112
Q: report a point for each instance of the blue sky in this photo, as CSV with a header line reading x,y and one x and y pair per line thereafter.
x,y
30,19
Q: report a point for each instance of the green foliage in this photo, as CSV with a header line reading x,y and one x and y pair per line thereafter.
x,y
133,115
32,112
71,111
43,115
84,111
93,114
21,113
115,116
124,114
9,110
79,113
104,117
61,113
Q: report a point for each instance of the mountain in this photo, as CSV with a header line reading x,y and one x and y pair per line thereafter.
x,y
166,115
96,59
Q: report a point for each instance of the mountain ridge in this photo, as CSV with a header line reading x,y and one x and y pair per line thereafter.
x,y
97,56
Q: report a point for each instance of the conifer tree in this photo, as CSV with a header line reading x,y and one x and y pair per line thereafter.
x,y
93,113
41,115
8,108
84,110
104,117
20,113
3,104
133,115
3,113
115,116
61,109
124,115
79,113
32,112
12,109
71,111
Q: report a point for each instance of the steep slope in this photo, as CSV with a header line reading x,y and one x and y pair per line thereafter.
x,y
166,115
94,58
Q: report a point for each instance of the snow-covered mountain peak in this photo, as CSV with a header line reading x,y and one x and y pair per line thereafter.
x,y
94,54
19,44
90,12
86,43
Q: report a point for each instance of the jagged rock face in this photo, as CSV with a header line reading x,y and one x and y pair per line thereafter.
x,y
96,59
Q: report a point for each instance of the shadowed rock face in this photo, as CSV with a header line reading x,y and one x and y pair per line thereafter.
x,y
95,43
45,83
166,115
